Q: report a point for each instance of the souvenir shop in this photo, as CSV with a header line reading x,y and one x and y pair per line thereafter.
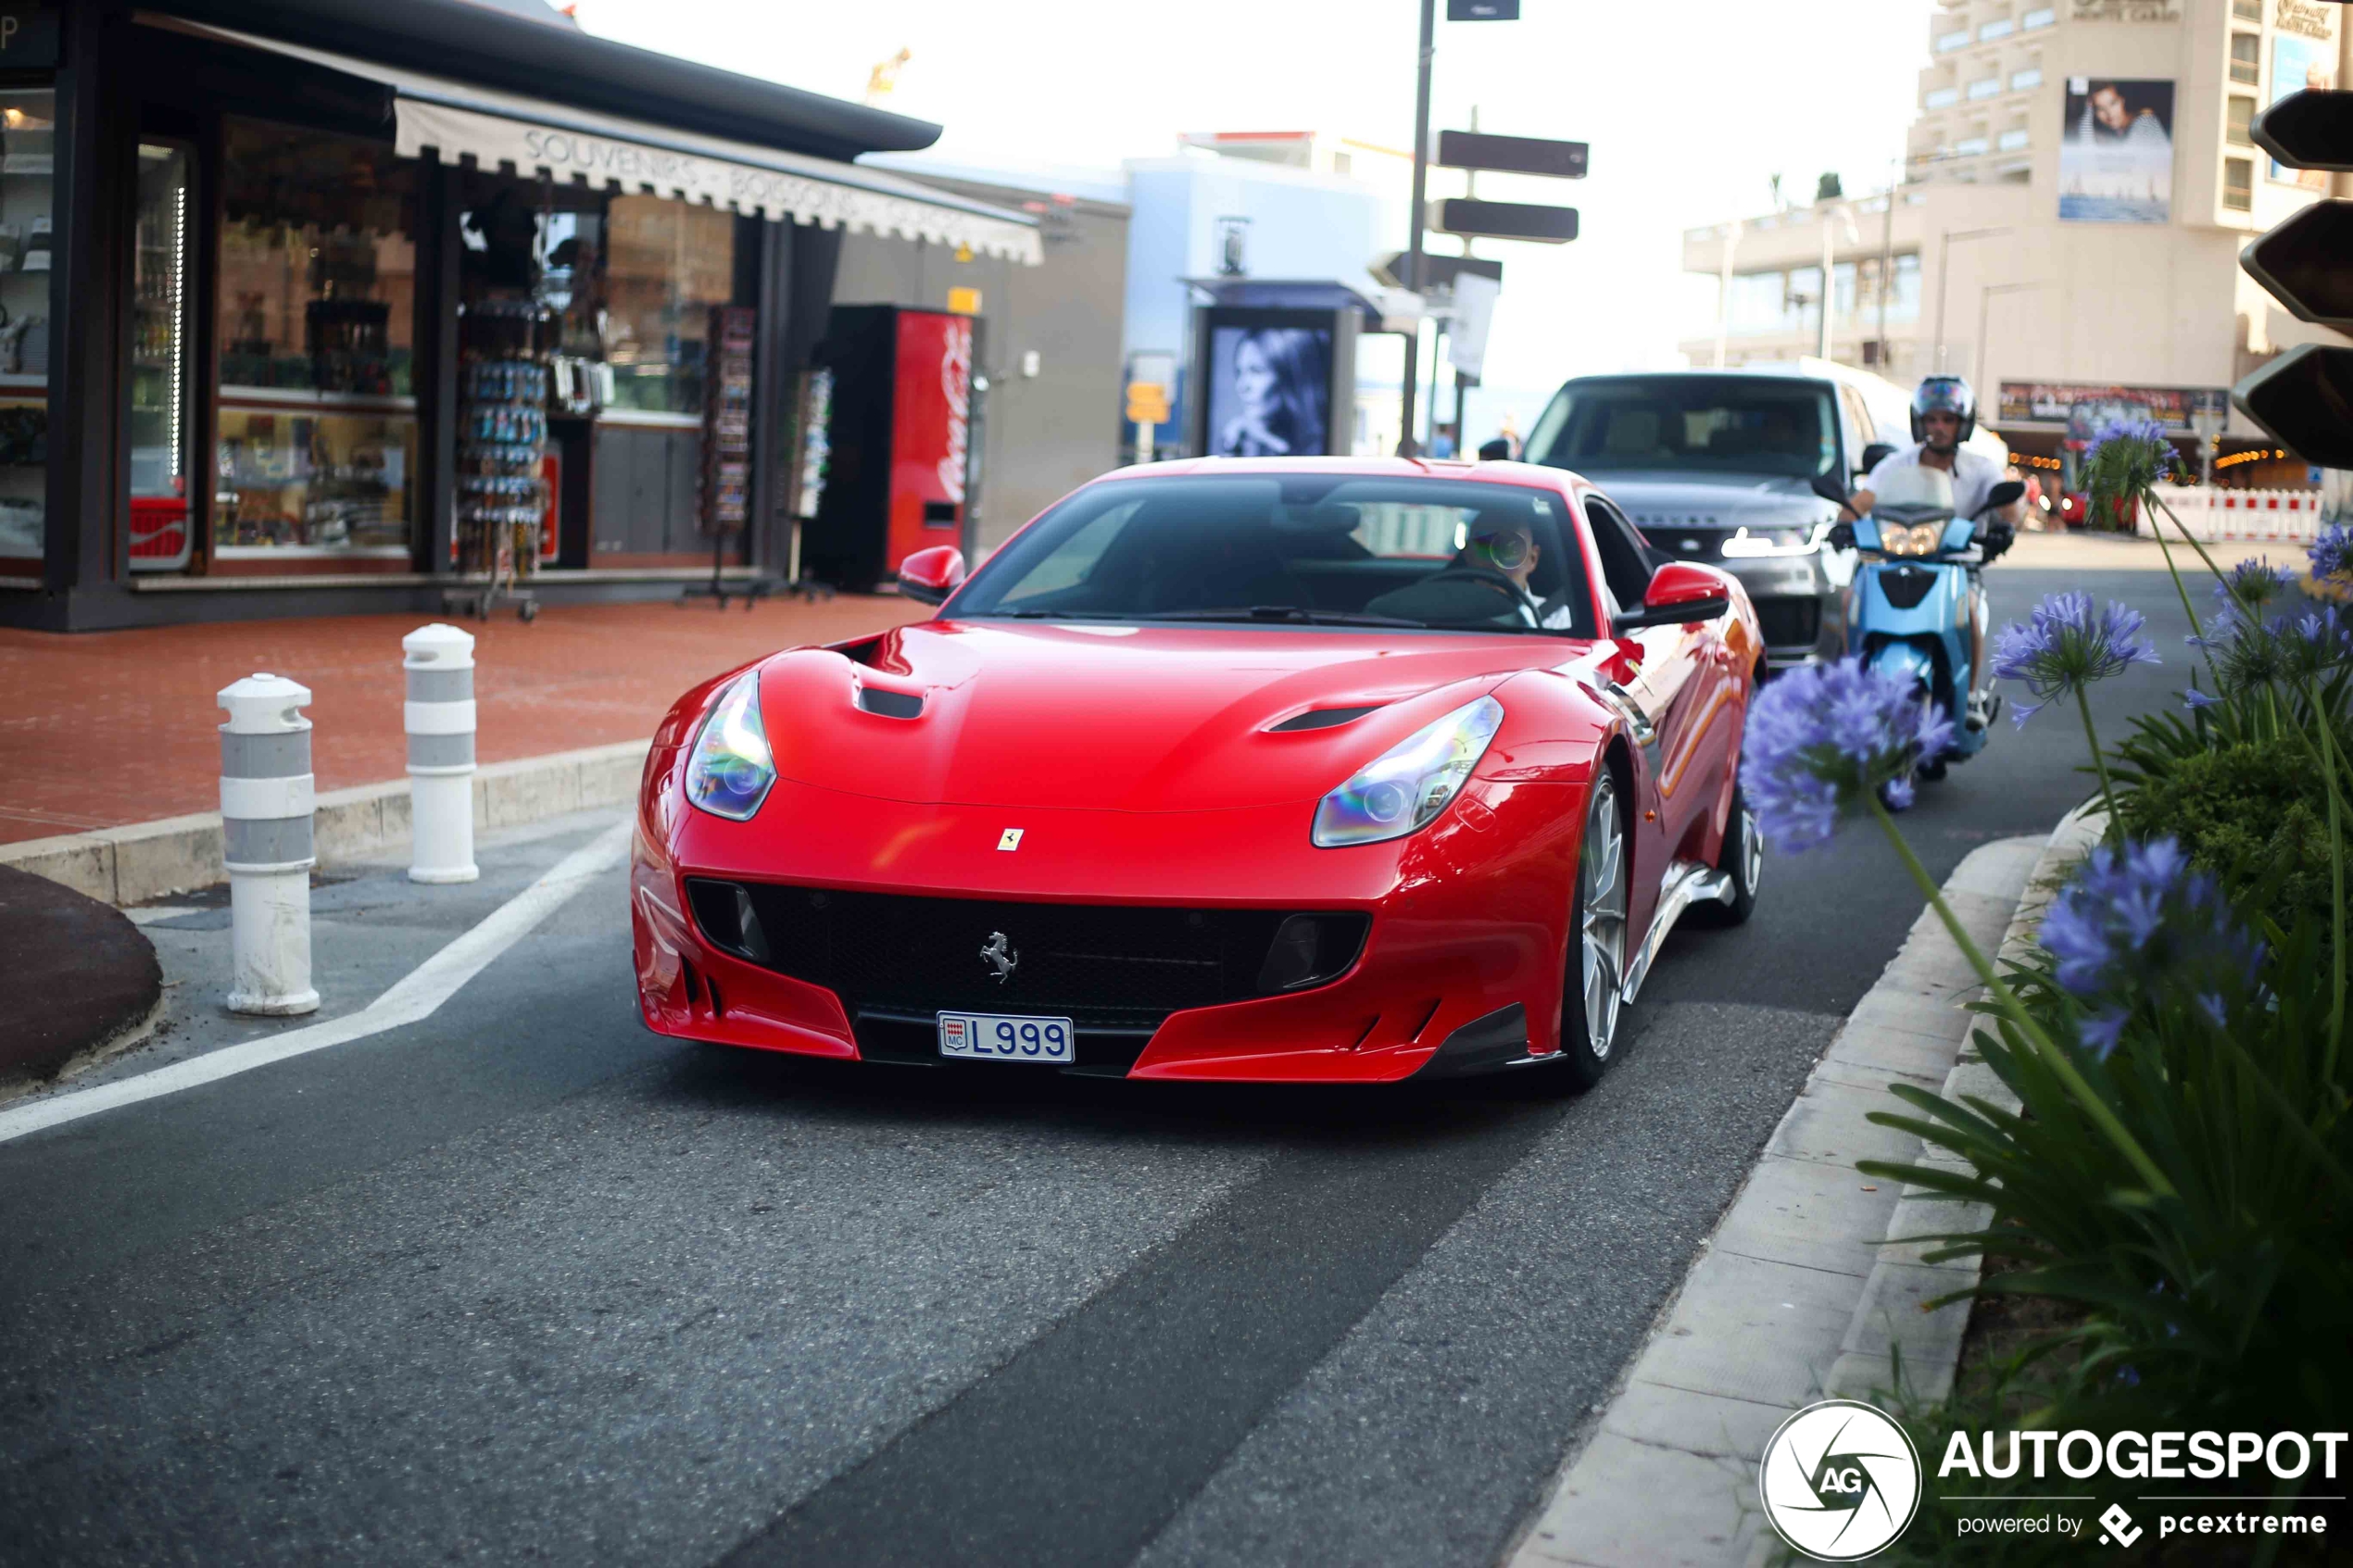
x,y
306,307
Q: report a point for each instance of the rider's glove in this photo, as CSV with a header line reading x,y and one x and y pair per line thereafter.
x,y
1999,537
1841,536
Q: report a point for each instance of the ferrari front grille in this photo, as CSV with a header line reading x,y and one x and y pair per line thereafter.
x,y
1123,967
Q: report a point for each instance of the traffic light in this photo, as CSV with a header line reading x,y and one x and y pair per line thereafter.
x,y
2305,397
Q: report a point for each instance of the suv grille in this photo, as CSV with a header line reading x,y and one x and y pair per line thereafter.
x,y
896,959
1790,622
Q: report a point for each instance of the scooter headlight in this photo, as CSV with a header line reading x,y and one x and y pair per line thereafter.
x,y
1401,790
731,769
1914,539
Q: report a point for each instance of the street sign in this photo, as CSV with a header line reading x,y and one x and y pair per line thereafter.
x,y
1482,11
2308,130
1512,155
1506,220
1147,402
1438,271
2306,263
2305,397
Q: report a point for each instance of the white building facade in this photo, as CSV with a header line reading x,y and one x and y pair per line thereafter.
x,y
2078,185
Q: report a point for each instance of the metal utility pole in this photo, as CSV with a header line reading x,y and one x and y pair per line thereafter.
x,y
1887,258
1943,279
1406,445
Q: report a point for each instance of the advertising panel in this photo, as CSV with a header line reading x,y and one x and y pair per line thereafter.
x,y
2116,151
2084,409
2299,62
1268,384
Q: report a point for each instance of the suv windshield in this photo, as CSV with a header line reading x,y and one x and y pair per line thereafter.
x,y
1704,424
1299,549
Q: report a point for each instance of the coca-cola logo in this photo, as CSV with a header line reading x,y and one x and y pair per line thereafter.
x,y
955,381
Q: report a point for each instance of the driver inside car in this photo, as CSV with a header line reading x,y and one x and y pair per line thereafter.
x,y
1470,587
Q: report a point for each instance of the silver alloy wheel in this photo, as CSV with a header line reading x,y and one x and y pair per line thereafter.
x,y
1752,849
1600,885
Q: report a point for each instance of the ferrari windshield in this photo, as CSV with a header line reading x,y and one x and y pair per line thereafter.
x,y
1302,550
1702,424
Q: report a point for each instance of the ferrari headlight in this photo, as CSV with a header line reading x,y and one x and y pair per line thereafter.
x,y
730,771
1917,539
1408,785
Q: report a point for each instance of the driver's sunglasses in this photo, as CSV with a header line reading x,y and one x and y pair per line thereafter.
x,y
1509,551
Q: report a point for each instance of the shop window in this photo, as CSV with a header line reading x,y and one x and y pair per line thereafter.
x,y
2238,183
317,321
161,524
666,263
28,134
2241,122
2247,58
2247,10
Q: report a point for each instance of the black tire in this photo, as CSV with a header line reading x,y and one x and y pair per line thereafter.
x,y
1743,859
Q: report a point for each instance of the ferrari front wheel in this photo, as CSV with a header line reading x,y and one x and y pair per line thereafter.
x,y
1594,985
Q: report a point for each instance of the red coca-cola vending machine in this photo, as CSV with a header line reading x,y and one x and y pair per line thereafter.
x,y
901,465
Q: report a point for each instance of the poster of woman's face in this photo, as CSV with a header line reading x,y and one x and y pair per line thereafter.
x,y
2116,152
1269,391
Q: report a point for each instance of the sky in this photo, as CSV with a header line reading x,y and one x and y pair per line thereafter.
x,y
1691,107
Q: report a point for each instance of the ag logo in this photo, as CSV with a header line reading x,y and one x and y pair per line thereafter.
x,y
1839,1480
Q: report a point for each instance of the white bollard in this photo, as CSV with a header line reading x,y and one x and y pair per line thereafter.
x,y
439,717
267,796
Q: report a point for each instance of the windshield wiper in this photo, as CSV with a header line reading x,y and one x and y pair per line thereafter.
x,y
1284,612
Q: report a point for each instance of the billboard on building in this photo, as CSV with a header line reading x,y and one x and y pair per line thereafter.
x,y
2298,62
2116,151
2084,409
1268,384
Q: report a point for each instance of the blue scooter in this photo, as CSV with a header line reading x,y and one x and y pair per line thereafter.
x,y
1908,610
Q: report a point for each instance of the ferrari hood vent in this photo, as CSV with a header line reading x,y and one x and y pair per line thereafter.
x,y
891,705
1323,718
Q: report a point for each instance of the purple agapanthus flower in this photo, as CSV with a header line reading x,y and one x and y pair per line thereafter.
x,y
2143,431
2332,552
2064,646
2195,699
2137,925
2251,585
1823,737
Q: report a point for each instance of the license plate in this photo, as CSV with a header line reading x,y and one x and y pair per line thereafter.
x,y
991,1037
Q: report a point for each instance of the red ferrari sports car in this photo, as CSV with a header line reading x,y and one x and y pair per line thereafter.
x,y
1284,770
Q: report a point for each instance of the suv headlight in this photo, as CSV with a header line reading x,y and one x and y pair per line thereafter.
x,y
1403,789
731,769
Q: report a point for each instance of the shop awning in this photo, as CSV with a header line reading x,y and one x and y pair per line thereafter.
x,y
454,121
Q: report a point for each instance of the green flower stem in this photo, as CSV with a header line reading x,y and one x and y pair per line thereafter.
x,y
2197,629
2329,761
2057,1059
2108,790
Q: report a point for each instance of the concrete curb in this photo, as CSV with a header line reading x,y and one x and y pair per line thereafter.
x,y
131,865
1798,1293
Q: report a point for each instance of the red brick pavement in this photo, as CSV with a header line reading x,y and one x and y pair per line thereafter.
x,y
100,729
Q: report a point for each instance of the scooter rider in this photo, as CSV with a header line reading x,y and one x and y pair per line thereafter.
x,y
1943,416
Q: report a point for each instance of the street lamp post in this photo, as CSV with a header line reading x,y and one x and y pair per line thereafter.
x,y
1943,271
1406,446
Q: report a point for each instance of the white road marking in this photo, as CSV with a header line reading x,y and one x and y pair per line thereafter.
x,y
154,912
414,997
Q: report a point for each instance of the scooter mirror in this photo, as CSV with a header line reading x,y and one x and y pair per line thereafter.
x,y
1829,489
2002,495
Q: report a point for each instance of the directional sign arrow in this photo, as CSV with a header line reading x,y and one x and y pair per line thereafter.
x,y
2308,130
2305,397
1438,271
2306,264
1507,220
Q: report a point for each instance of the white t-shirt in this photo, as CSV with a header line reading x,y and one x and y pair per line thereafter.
x,y
1974,476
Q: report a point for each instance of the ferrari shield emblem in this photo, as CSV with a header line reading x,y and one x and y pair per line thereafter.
x,y
1008,839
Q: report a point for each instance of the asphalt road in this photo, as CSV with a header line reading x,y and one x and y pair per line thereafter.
x,y
522,1282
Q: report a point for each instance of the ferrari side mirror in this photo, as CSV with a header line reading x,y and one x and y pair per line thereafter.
x,y
929,576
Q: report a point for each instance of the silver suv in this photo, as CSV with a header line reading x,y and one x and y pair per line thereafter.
x,y
1717,466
